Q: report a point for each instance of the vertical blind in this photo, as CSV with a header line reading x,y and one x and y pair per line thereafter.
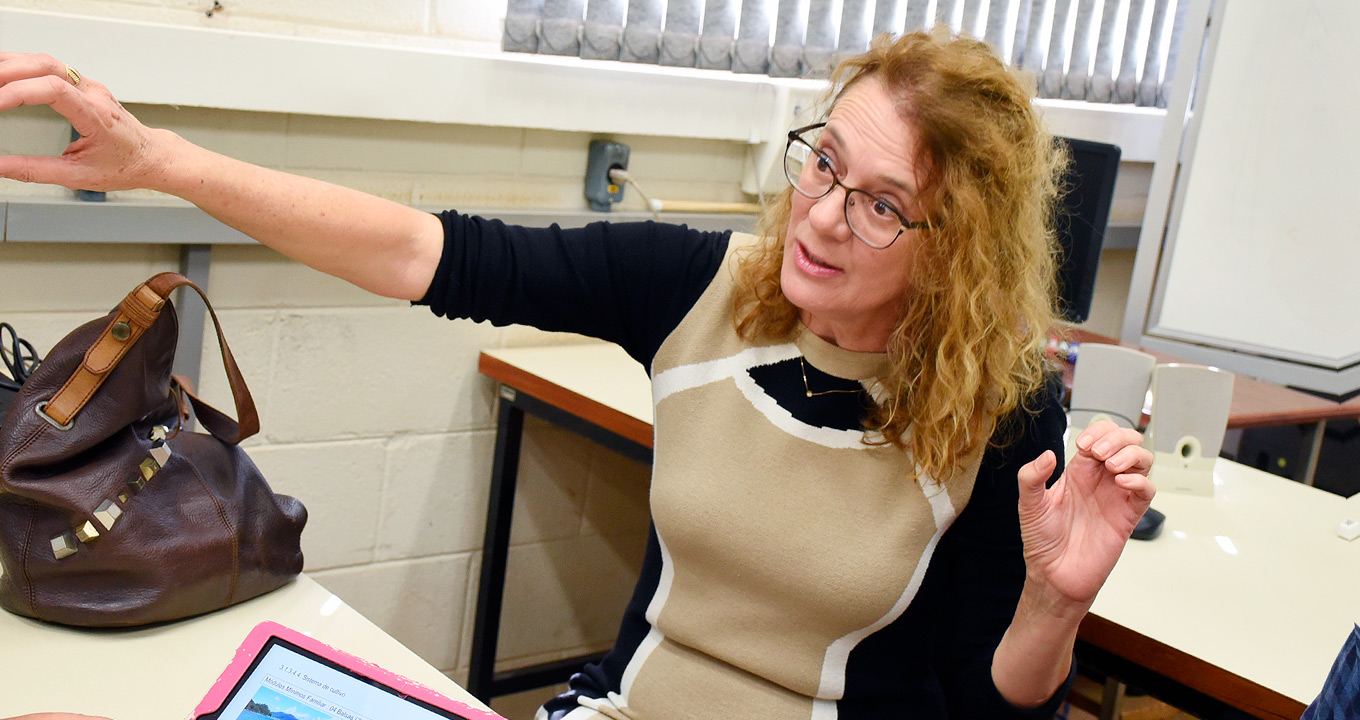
x,y
1110,51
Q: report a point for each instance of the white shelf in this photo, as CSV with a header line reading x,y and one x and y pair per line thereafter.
x,y
55,220
161,64
164,64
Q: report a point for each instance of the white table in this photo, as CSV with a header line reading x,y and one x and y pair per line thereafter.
x,y
1246,596
161,673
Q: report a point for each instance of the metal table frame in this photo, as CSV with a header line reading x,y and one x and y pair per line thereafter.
x,y
484,682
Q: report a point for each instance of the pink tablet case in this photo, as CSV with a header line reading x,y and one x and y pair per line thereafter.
x,y
256,640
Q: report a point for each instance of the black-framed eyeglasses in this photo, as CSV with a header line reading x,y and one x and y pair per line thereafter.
x,y
813,174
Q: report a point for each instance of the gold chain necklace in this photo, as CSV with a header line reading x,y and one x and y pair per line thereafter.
x,y
803,365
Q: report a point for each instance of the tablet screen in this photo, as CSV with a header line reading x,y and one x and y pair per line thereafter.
x,y
286,682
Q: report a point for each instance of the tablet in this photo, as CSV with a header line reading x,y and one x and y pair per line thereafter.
x,y
282,674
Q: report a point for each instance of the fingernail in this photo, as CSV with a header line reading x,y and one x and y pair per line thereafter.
x,y
1101,449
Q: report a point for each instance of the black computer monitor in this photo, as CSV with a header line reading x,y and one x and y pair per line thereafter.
x,y
1088,190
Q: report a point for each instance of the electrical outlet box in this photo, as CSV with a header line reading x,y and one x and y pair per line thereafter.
x,y
604,156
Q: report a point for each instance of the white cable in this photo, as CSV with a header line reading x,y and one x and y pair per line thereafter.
x,y
618,175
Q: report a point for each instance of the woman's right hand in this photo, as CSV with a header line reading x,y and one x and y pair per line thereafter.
x,y
114,152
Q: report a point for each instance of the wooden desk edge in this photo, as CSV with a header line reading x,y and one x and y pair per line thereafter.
x,y
1209,679
1274,419
596,412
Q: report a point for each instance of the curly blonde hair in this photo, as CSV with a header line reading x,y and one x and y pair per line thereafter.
x,y
970,344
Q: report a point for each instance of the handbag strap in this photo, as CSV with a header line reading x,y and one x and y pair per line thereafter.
x,y
134,315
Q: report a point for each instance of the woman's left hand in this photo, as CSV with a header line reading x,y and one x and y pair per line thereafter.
x,y
1075,530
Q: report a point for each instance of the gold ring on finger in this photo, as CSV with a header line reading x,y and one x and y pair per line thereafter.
x,y
73,75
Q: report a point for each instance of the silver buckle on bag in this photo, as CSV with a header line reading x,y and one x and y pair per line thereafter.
x,y
39,409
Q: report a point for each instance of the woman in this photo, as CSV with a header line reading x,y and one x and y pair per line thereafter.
x,y
853,432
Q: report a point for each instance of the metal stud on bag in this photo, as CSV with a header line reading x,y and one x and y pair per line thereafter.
x,y
108,513
64,544
87,532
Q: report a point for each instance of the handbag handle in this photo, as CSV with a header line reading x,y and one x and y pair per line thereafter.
x,y
134,315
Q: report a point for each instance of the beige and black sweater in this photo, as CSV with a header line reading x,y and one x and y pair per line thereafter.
x,y
793,571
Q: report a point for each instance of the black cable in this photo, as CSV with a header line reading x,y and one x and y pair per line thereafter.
x,y
19,356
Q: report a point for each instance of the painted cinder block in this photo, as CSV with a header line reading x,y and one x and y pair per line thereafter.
x,y
254,276
92,278
33,131
554,469
435,494
617,498
475,20
341,485
251,335
665,158
566,594
397,187
549,153
469,615
670,189
331,143
418,602
15,189
375,373
478,192
255,137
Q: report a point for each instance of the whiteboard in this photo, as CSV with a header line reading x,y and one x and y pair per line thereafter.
x,y
1262,251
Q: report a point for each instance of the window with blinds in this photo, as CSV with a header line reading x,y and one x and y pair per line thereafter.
x,y
1110,51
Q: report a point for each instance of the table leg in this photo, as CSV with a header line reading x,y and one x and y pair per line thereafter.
x,y
1309,450
1111,699
496,546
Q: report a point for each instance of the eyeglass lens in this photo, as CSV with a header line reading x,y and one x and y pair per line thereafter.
x,y
813,175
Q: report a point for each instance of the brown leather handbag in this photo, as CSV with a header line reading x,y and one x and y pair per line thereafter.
x,y
110,515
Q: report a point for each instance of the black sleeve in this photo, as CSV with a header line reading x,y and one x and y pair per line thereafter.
x,y
628,283
984,557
